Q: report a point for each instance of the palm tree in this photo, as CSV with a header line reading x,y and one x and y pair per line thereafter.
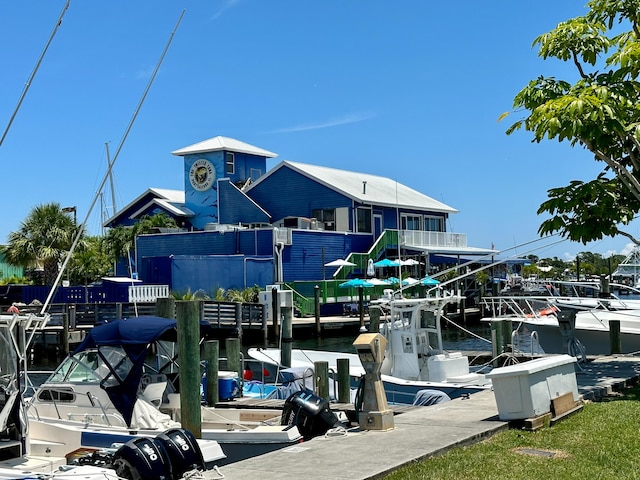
x,y
120,240
89,262
43,240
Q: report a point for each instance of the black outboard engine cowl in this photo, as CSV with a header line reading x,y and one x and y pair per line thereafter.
x,y
183,451
310,413
142,459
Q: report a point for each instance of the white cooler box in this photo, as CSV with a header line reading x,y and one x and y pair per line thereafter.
x,y
526,390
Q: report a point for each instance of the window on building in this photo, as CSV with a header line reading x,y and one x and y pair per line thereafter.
x,y
255,173
327,216
230,161
410,222
363,220
434,224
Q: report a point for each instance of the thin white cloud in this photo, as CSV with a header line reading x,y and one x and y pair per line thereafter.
x,y
226,6
144,73
346,119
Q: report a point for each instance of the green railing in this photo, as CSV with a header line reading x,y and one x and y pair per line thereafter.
x,y
388,239
330,292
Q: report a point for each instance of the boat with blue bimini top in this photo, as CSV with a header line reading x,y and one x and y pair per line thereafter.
x,y
415,366
122,382
38,454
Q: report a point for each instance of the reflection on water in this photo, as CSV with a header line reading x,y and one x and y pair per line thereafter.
x,y
453,338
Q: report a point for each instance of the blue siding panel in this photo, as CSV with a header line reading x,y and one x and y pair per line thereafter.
x,y
208,273
287,193
236,207
311,249
248,166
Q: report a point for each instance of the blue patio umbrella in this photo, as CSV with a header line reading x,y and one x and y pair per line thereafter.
x,y
428,281
355,282
385,262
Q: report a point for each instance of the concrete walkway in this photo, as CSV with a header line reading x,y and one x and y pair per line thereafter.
x,y
418,434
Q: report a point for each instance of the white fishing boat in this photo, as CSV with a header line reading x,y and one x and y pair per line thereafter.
x,y
582,294
415,359
122,383
575,325
26,455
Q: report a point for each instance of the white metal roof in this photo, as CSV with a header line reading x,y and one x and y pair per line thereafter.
x,y
365,188
168,197
219,143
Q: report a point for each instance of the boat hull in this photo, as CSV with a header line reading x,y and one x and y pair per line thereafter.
x,y
592,331
397,390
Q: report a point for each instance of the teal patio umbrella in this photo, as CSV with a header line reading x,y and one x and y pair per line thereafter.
x,y
429,282
355,282
385,262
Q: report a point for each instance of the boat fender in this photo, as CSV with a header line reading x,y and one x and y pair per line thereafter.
x,y
548,311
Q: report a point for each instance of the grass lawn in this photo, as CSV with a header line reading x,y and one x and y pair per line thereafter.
x,y
602,441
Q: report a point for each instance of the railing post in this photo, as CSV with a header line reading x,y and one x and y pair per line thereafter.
x,y
239,319
287,336
275,305
316,308
497,337
361,304
65,333
72,316
374,319
265,327
234,363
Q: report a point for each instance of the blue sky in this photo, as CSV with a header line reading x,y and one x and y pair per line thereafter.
x,y
410,89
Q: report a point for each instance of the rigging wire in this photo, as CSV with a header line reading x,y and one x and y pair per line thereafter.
x,y
35,70
45,305
498,262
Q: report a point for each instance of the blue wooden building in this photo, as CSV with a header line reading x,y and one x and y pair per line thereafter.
x,y
241,225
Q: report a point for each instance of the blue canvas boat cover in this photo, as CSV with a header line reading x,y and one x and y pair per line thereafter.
x,y
135,336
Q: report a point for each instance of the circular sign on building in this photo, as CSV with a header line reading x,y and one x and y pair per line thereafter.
x,y
202,174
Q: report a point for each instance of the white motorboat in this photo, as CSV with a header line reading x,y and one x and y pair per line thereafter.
x,y
24,455
415,359
575,325
119,384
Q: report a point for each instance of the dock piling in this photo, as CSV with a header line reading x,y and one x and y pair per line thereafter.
x,y
188,320
211,354
321,370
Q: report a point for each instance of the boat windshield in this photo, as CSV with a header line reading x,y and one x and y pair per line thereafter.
x,y
8,358
110,366
8,375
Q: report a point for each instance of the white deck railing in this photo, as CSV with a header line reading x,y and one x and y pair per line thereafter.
x,y
416,238
147,293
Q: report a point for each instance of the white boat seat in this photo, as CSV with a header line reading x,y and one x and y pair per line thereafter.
x,y
154,392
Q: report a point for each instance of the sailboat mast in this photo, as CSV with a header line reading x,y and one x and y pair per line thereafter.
x,y
45,305
113,195
35,70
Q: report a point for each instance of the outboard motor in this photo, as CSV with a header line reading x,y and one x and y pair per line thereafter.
x,y
310,413
142,458
183,451
166,457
